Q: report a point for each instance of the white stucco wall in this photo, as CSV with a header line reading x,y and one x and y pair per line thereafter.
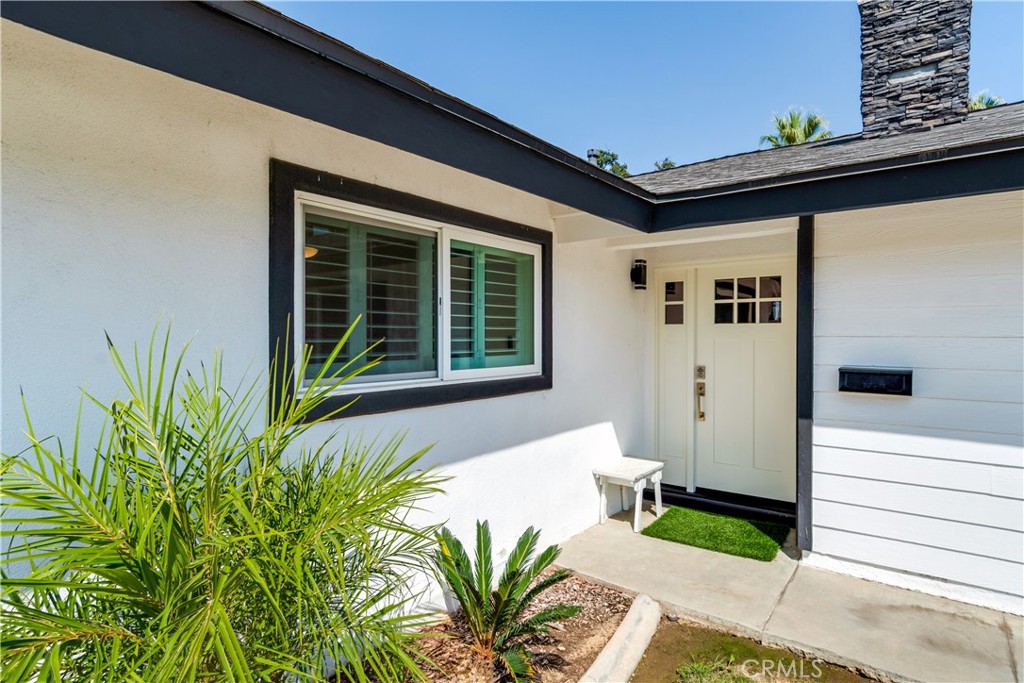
x,y
930,484
130,195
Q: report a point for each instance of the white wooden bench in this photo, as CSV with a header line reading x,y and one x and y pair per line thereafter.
x,y
634,473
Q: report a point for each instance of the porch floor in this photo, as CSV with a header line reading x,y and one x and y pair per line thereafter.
x,y
888,632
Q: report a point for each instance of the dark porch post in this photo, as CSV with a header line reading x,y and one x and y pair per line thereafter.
x,y
804,377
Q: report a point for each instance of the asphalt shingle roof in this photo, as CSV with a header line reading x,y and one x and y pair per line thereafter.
x,y
985,126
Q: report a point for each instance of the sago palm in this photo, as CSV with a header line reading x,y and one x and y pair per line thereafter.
x,y
496,614
202,538
795,127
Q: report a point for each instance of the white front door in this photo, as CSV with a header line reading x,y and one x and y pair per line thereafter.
x,y
745,366
676,311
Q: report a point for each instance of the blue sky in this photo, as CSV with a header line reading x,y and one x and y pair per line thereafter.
x,y
687,80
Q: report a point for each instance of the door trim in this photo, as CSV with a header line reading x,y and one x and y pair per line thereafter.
x,y
660,276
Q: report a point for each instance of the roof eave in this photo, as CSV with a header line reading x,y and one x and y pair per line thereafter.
x,y
256,53
252,52
929,156
270,20
972,171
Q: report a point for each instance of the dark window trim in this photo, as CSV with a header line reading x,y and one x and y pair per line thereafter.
x,y
287,178
804,379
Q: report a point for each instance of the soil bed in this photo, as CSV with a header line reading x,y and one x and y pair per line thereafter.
x,y
684,652
560,657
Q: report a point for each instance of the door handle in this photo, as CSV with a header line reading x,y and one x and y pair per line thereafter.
x,y
700,401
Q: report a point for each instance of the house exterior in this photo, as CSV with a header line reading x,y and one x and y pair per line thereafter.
x,y
830,333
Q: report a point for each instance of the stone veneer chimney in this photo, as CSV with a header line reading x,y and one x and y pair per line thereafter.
x,y
914,59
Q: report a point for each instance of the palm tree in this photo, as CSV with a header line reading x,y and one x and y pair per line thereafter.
x,y
983,101
795,127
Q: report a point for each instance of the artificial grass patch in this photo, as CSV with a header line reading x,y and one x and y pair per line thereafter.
x,y
732,535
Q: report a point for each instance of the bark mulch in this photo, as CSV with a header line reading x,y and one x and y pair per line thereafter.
x,y
562,656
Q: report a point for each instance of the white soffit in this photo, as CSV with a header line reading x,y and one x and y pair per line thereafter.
x,y
718,233
572,225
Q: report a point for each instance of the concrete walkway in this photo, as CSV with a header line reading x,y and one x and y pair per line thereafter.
x,y
887,632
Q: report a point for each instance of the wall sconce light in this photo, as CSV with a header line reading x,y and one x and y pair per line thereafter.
x,y
638,274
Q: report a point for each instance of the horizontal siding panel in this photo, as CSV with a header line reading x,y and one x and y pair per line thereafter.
x,y
898,443
938,222
901,411
921,321
873,265
947,353
969,385
961,436
991,573
945,474
1007,482
967,507
908,290
1002,544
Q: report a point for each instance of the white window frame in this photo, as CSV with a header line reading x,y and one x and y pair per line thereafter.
x,y
497,242
445,233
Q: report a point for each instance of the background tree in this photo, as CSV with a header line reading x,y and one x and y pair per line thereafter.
x,y
983,101
664,164
609,161
796,127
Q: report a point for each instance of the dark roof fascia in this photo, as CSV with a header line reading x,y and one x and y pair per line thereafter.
x,y
255,53
946,178
283,26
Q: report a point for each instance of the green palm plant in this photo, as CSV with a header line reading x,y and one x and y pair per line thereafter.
x,y
795,127
496,614
984,101
203,539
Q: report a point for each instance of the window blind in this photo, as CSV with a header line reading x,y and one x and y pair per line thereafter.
x,y
492,303
387,275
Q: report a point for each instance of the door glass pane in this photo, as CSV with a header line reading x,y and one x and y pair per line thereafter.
x,y
771,287
673,291
745,312
745,288
724,289
674,314
771,311
723,313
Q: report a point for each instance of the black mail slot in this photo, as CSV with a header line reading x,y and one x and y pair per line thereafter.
x,y
890,381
